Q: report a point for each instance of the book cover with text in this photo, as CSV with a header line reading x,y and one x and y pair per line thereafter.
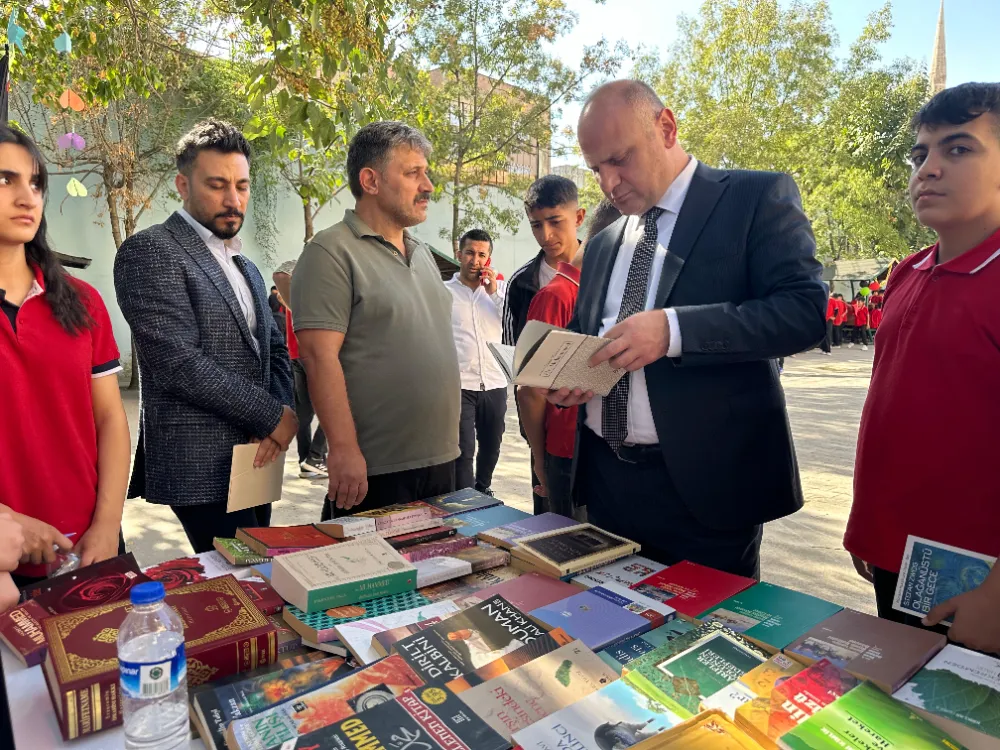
x,y
932,573
595,620
628,571
691,588
619,654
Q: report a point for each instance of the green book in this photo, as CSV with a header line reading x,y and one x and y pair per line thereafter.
x,y
865,719
683,672
769,615
237,553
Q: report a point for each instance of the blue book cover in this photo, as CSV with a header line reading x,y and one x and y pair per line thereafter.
x,y
619,654
932,573
471,523
593,619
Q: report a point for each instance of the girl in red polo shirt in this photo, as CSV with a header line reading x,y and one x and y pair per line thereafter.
x,y
64,444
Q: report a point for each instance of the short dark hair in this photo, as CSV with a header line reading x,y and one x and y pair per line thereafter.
x,y
550,191
476,235
960,104
604,215
371,146
210,135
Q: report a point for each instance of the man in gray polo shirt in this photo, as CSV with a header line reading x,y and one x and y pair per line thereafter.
x,y
373,322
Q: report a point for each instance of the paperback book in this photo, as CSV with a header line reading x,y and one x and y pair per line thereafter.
x,y
387,521
691,588
545,644
475,521
438,569
343,574
619,654
573,550
628,571
336,648
413,538
383,643
322,626
357,636
468,640
288,639
533,691
597,621
803,694
102,583
469,584
184,570
268,541
932,573
526,592
885,652
461,501
507,536
769,615
483,557
753,715
448,546
237,553
616,716
709,730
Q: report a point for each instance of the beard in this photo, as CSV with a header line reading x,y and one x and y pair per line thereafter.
x,y
222,225
409,214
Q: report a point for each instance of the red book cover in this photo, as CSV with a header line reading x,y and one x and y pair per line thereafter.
x,y
179,572
269,541
101,583
691,588
21,630
224,634
263,596
418,537
801,695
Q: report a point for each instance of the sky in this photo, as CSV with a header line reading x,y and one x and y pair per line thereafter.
x,y
969,36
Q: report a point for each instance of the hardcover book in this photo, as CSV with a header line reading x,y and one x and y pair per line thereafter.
x,y
596,620
288,640
526,592
533,691
469,584
709,730
21,631
437,569
769,615
473,522
184,570
102,583
932,573
545,644
322,707
448,546
264,597
870,648
619,654
347,573
269,541
468,640
483,557
322,626
754,715
224,633
866,718
507,536
422,719
216,707
357,636
691,588
805,693
616,716
685,671
461,501
573,549
412,538
959,692
236,552
628,571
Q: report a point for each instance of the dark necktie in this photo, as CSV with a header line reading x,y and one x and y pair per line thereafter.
x,y
614,412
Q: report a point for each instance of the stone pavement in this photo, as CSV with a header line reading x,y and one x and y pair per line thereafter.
x,y
803,552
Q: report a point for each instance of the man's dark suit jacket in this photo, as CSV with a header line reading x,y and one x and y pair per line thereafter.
x,y
204,388
741,273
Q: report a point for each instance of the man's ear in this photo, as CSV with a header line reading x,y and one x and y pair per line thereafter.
x,y
183,186
581,214
369,179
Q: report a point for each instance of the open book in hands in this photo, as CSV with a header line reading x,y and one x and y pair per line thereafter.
x,y
554,358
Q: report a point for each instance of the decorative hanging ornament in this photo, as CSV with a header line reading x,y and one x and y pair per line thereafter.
x,y
64,43
71,100
15,34
71,140
76,188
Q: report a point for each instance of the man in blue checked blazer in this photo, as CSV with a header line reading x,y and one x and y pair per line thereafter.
x,y
214,368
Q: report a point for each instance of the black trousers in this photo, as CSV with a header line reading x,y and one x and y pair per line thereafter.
x,y
861,335
483,415
202,523
399,487
885,591
838,335
311,445
639,502
558,477
827,342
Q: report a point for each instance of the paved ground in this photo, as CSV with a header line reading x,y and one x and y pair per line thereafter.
x,y
803,552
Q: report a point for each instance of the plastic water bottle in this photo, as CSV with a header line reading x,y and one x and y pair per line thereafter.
x,y
153,673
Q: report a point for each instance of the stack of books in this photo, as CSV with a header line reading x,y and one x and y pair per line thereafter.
x,y
570,551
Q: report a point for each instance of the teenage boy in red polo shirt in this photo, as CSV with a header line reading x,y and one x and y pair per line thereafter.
x,y
839,318
927,448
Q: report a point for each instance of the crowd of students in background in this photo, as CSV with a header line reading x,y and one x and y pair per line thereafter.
x,y
855,322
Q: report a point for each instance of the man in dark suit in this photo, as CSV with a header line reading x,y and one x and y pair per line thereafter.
x,y
214,367
709,276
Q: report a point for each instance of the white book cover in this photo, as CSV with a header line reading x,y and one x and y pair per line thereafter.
x,y
348,562
627,571
728,699
357,635
437,569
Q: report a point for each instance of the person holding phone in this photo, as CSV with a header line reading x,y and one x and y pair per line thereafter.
x,y
476,322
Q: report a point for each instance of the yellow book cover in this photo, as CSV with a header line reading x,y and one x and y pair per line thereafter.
x,y
709,730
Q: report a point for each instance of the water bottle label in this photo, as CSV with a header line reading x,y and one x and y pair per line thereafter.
x,y
151,680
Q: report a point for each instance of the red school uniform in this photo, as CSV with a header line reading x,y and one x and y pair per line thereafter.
x,y
290,337
875,319
48,444
554,305
841,312
860,315
831,309
927,444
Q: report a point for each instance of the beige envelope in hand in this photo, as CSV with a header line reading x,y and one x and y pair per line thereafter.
x,y
250,487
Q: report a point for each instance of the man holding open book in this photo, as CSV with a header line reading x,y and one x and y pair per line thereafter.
x,y
709,276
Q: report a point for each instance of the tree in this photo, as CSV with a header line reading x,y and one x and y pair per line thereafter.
x,y
491,95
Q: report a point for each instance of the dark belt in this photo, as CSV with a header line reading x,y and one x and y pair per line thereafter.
x,y
639,454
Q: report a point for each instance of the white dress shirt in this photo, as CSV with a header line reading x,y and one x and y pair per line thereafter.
x,y
224,251
475,322
641,430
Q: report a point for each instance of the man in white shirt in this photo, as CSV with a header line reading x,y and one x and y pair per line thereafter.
x,y
476,323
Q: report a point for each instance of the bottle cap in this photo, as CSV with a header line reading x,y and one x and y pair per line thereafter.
x,y
147,593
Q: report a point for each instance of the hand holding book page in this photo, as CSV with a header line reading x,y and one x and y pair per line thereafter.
x,y
553,358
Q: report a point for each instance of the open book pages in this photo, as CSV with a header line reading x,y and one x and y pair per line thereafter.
x,y
553,358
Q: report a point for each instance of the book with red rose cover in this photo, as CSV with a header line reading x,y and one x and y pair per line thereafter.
x,y
101,583
691,588
803,694
280,540
201,567
21,631
432,534
224,633
428,718
264,597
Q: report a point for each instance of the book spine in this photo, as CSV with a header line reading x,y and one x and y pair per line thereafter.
x,y
21,629
402,518
86,706
647,688
360,591
239,654
437,549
